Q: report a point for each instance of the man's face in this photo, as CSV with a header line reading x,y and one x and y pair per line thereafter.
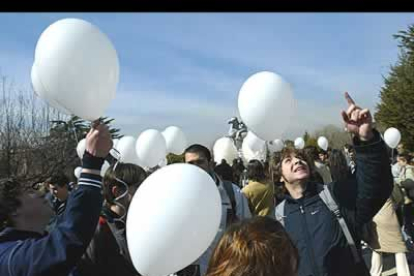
x,y
322,157
294,169
198,160
34,207
59,192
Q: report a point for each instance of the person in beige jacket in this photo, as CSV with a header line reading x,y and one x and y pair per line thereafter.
x,y
258,191
385,237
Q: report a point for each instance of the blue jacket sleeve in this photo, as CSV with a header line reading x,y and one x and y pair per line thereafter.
x,y
374,180
58,252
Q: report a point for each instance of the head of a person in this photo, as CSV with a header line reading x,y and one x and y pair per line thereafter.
x,y
200,156
125,179
338,165
58,185
258,246
403,159
323,156
293,166
256,171
225,171
23,207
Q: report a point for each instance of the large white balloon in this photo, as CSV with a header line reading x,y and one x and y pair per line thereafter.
x,y
276,145
392,137
151,147
115,141
266,104
41,91
126,148
175,140
81,147
323,143
78,67
224,148
299,143
77,172
186,222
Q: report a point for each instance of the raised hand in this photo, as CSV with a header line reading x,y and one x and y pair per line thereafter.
x,y
357,121
98,140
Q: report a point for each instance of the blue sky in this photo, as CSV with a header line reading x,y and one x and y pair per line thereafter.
x,y
186,69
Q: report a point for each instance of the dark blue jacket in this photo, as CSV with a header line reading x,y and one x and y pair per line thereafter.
x,y
322,246
55,254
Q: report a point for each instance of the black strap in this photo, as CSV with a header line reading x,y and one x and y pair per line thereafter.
x,y
228,186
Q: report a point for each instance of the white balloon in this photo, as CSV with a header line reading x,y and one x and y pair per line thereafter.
x,y
78,67
41,92
323,143
186,222
126,148
104,168
253,147
175,140
151,147
266,104
77,172
392,137
299,143
254,142
81,147
224,148
115,141
276,145
163,162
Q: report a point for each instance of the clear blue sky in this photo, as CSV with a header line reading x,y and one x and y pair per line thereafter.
x,y
186,69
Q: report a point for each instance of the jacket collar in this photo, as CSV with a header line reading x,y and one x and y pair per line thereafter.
x,y
311,189
11,234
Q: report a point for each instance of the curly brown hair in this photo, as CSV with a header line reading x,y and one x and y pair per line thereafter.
x,y
254,247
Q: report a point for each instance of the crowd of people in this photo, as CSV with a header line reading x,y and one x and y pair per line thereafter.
x,y
302,212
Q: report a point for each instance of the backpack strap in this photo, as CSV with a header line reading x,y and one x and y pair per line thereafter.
x,y
280,212
228,186
327,198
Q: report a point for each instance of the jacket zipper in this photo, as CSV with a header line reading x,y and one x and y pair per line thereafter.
x,y
308,241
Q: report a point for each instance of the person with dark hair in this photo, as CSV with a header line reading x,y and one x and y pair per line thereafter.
x,y
311,155
224,170
319,168
338,166
238,169
255,247
404,181
325,221
24,247
234,204
258,191
108,253
59,189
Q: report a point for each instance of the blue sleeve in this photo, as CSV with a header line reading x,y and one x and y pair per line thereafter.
x,y
374,180
58,252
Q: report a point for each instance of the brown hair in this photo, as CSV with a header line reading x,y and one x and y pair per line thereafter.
x,y
131,174
258,246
